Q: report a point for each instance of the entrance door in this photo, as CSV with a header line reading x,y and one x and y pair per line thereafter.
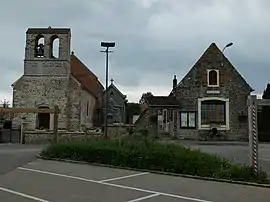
x,y
43,120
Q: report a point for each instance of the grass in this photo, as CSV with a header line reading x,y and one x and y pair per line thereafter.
x,y
142,154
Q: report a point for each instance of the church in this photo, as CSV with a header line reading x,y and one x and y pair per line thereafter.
x,y
56,78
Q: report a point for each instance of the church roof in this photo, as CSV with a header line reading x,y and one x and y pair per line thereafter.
x,y
86,77
116,89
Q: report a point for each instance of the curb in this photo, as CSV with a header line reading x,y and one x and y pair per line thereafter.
x,y
159,172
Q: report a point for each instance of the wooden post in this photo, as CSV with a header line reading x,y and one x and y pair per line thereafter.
x,y
22,133
55,123
253,131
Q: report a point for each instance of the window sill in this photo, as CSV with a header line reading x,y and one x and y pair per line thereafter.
x,y
188,128
207,127
212,85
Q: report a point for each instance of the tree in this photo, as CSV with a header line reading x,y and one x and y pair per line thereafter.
x,y
264,126
144,96
266,92
132,109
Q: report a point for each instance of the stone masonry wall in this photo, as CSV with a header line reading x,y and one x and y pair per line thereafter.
x,y
34,91
87,118
193,87
42,137
64,46
73,109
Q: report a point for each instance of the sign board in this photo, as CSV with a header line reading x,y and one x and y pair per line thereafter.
x,y
213,92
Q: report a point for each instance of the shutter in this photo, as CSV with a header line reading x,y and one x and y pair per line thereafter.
x,y
204,78
222,78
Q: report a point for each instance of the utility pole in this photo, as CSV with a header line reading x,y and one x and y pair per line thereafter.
x,y
107,45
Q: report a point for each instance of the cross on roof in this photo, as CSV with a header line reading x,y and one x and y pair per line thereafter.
x,y
112,81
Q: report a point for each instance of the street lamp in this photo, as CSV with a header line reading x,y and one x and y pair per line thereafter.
x,y
228,45
107,45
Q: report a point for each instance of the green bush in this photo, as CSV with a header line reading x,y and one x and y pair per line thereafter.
x,y
153,156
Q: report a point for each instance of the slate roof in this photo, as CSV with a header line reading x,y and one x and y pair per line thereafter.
x,y
162,101
117,90
87,78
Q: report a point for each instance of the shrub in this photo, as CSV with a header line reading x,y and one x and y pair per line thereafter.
x,y
153,156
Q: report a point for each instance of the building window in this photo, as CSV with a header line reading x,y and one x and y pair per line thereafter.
x,y
213,111
213,77
87,108
187,119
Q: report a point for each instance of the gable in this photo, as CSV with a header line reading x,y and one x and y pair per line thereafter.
x,y
88,79
213,58
113,88
14,85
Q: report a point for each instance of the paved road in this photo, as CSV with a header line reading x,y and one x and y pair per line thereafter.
x,y
49,181
237,152
14,155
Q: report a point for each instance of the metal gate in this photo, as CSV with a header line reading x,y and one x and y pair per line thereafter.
x,y
9,134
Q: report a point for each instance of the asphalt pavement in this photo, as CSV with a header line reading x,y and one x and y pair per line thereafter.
x,y
15,155
52,181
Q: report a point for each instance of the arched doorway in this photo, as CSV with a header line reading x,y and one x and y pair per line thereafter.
x,y
43,119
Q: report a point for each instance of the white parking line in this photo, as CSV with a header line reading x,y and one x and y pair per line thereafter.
x,y
113,185
23,195
143,198
124,177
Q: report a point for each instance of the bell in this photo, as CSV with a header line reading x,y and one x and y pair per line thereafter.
x,y
40,50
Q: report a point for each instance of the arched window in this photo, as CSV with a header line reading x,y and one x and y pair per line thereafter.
x,y
39,46
54,49
43,119
213,79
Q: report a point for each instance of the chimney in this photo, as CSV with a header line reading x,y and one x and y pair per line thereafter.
x,y
174,81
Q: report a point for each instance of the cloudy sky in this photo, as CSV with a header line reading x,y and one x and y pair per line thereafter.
x,y
154,38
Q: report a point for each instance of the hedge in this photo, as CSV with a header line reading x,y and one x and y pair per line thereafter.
x,y
153,156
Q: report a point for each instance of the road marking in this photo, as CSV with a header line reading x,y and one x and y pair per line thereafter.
x,y
124,177
113,185
143,198
23,195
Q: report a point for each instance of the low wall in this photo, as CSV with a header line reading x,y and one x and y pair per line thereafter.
x,y
115,130
45,137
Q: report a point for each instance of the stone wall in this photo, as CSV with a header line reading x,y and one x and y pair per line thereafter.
x,y
43,137
35,91
88,104
232,87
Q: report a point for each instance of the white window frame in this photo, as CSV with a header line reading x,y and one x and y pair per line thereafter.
x,y
227,113
188,125
208,71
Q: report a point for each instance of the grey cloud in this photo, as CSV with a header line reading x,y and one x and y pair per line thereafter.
x,y
154,39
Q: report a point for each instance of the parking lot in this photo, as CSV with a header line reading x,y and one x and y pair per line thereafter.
x,y
51,181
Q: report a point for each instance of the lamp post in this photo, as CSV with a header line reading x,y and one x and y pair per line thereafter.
x,y
107,45
228,45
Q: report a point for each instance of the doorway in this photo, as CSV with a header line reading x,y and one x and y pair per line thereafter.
x,y
43,120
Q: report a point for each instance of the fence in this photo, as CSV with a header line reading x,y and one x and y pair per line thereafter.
x,y
8,130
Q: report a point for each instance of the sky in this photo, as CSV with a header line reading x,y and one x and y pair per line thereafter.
x,y
155,39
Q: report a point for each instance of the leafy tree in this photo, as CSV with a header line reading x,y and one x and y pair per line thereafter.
x,y
145,95
132,109
264,126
